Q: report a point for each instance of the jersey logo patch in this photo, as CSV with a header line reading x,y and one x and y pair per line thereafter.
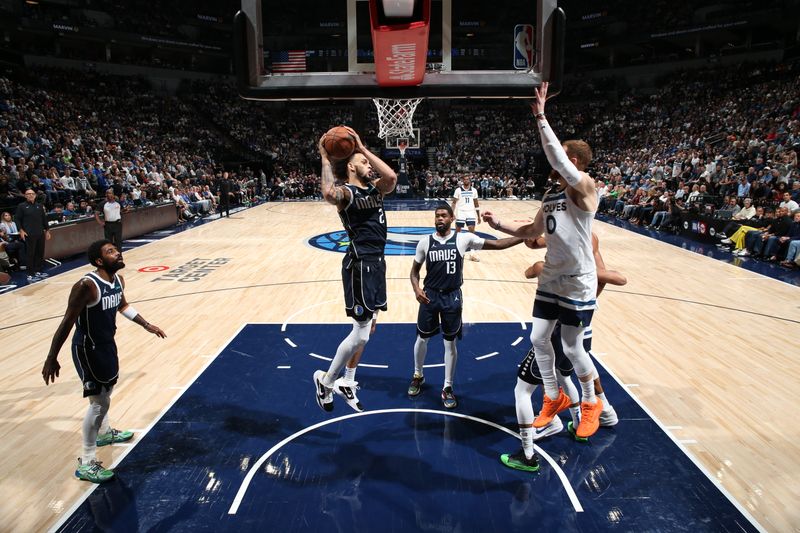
x,y
400,240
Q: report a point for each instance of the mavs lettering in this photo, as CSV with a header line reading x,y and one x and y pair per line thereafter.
x,y
443,264
370,202
111,302
97,323
449,254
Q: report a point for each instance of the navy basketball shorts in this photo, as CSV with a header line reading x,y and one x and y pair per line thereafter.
x,y
570,299
443,312
469,222
364,282
97,366
529,371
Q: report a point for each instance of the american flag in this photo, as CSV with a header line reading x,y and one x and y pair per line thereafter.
x,y
289,61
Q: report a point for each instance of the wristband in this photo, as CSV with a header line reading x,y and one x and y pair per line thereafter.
x,y
539,115
129,312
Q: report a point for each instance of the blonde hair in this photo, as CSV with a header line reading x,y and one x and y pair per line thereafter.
x,y
579,150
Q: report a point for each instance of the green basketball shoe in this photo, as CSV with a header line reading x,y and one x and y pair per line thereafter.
x,y
115,435
518,461
571,429
93,471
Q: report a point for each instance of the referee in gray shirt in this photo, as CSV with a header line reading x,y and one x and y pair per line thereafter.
x,y
112,219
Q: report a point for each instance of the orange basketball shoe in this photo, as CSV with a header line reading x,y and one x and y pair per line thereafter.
x,y
590,418
550,408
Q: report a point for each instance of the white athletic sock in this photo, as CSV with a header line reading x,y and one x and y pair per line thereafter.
x,y
526,435
357,338
606,404
96,412
105,426
450,359
522,401
541,330
572,341
588,391
350,373
565,382
575,412
420,350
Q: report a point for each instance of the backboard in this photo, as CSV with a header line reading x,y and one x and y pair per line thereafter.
x,y
313,50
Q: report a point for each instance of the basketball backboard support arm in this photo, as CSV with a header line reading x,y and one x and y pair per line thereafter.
x,y
254,83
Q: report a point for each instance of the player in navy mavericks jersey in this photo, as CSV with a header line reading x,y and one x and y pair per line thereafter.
x,y
440,302
93,305
358,197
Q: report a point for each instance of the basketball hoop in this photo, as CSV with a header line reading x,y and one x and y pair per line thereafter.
x,y
395,116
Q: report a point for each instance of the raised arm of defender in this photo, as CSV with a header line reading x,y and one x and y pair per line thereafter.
x,y
558,158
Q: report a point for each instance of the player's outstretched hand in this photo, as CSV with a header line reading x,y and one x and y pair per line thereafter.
x,y
490,219
155,330
541,97
50,370
422,297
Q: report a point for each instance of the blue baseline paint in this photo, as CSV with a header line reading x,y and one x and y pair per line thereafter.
x,y
393,472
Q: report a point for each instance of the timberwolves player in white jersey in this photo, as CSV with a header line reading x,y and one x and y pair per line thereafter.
x,y
466,208
568,282
529,377
358,197
440,302
93,305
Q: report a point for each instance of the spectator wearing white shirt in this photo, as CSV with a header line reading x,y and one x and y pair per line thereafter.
x,y
788,203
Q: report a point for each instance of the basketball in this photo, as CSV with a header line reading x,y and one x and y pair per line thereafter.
x,y
339,143
4,278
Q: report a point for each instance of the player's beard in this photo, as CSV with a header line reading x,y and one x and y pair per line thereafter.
x,y
442,228
114,266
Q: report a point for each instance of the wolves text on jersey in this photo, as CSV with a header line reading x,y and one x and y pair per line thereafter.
x,y
555,206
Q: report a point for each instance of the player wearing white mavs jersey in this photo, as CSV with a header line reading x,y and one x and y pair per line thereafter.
x,y
568,283
467,209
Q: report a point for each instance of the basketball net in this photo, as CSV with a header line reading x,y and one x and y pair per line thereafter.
x,y
395,116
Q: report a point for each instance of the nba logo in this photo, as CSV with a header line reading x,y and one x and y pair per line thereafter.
x,y
523,46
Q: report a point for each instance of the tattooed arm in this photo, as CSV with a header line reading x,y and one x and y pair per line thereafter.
x,y
333,192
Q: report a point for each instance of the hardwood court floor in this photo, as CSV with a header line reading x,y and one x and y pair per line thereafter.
x,y
710,349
